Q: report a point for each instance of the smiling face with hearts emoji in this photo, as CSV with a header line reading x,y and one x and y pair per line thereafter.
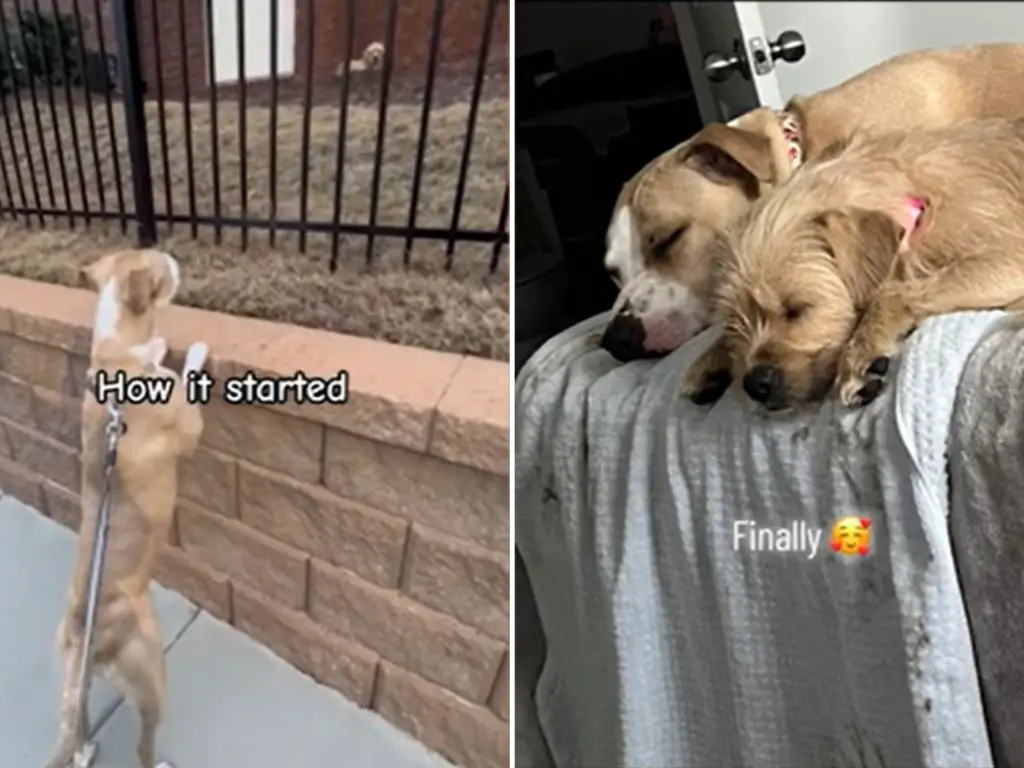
x,y
851,536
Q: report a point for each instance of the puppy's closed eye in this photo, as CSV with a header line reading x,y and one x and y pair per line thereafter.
x,y
793,311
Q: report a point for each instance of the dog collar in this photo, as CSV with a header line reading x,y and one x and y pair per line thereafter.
x,y
791,132
910,218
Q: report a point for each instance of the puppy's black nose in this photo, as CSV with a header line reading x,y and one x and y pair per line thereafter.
x,y
763,382
624,338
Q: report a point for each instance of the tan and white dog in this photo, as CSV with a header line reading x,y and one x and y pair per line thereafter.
x,y
127,648
673,214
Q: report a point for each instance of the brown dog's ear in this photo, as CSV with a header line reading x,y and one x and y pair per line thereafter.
x,y
725,155
138,290
863,244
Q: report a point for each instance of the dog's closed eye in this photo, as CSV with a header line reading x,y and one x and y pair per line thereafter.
x,y
793,311
660,248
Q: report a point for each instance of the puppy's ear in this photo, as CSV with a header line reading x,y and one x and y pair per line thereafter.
x,y
727,155
138,290
863,244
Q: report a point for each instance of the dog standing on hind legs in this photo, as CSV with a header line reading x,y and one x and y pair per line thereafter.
x,y
127,648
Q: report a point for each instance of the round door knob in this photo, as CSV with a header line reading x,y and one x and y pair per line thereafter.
x,y
789,46
719,66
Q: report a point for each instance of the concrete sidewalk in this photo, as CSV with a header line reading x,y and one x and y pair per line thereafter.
x,y
231,702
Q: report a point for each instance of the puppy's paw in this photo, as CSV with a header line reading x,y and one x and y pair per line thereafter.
x,y
706,387
862,376
158,347
195,357
152,353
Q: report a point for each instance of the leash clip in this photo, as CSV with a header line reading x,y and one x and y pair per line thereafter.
x,y
115,428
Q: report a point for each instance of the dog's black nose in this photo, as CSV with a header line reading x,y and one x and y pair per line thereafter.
x,y
763,382
624,338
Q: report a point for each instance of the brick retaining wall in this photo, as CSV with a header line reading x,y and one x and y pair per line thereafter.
x,y
366,543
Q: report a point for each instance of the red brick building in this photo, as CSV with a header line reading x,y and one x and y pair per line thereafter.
x,y
461,34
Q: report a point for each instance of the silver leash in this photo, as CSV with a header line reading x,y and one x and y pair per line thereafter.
x,y
115,428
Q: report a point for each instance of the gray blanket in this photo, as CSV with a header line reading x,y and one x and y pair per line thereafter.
x,y
668,644
987,525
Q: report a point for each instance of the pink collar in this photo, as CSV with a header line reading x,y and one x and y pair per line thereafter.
x,y
791,132
910,219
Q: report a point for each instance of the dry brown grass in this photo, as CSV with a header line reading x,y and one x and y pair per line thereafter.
x,y
463,311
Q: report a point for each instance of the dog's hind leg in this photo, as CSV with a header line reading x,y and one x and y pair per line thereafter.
x,y
73,741
138,672
982,281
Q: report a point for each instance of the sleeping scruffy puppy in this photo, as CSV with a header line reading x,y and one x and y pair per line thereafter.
x,y
826,277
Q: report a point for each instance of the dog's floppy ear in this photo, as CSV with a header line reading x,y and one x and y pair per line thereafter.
x,y
863,244
725,154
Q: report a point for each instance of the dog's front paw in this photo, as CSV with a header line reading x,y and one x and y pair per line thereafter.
x,y
158,348
706,387
195,357
863,372
709,376
152,353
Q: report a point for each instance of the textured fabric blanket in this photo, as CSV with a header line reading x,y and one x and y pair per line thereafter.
x,y
693,612
986,462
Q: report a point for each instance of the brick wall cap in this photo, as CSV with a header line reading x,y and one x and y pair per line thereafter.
x,y
472,418
453,405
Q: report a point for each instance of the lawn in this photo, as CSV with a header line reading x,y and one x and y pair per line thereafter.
x,y
465,310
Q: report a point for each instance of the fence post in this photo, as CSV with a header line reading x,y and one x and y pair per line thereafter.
x,y
130,79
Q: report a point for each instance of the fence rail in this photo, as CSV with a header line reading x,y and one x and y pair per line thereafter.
x,y
136,88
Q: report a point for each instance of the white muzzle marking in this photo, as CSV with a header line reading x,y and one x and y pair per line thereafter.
x,y
670,312
623,259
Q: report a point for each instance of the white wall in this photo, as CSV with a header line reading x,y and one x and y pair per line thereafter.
x,y
844,38
257,39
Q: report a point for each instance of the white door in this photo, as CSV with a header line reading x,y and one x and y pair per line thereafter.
x,y
844,38
257,32
731,60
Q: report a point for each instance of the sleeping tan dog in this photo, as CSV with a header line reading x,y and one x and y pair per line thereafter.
x,y
670,215
127,647
831,272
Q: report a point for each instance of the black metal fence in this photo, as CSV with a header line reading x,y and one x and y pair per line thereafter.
x,y
65,168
